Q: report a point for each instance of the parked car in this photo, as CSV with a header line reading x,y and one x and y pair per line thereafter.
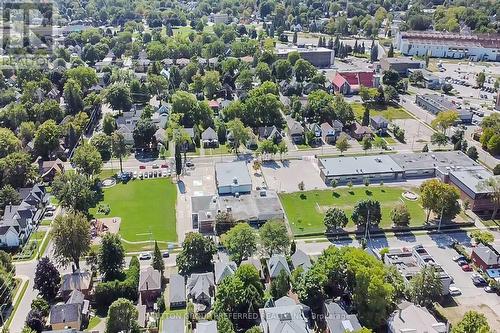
x,y
155,166
189,164
50,208
462,262
49,214
488,289
142,167
454,291
165,254
457,258
163,166
466,268
478,281
135,175
146,174
150,174
145,256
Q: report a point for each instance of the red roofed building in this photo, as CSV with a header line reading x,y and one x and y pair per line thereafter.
x,y
349,82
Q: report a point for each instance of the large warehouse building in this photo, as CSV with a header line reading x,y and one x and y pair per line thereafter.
x,y
320,57
434,104
476,47
453,167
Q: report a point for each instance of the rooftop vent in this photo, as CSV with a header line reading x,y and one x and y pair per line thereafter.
x,y
235,180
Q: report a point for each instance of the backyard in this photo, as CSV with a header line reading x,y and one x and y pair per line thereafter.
x,y
389,112
305,210
146,209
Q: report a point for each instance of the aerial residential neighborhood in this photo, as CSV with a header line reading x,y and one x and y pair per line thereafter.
x,y
270,166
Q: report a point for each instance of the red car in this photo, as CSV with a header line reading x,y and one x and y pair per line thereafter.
x,y
466,268
163,166
142,167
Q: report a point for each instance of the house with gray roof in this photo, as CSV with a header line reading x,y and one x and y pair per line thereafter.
x,y
301,259
177,291
485,257
224,269
338,320
270,133
209,138
379,124
63,316
78,280
23,217
149,285
295,130
328,133
232,177
413,318
284,319
70,315
276,264
200,288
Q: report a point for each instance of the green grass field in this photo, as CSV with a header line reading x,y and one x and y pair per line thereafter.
x,y
222,149
389,112
306,214
145,206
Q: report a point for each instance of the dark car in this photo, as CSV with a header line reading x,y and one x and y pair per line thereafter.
x,y
189,164
479,282
462,262
166,254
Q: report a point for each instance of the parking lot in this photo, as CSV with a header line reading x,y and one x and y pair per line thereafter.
x,y
286,175
472,298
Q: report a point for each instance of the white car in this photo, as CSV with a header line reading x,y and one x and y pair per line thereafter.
x,y
454,291
144,256
135,175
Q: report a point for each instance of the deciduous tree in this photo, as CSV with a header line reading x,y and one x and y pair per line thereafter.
x,y
87,160
240,242
196,254
274,238
111,257
74,191
425,287
47,279
335,218
472,322
71,238
122,317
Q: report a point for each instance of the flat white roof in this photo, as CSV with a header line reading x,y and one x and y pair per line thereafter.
x,y
359,165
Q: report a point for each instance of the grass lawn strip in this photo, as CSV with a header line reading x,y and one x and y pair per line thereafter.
x,y
389,112
146,209
18,301
306,215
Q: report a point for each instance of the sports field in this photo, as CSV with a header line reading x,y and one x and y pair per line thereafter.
x,y
146,208
306,210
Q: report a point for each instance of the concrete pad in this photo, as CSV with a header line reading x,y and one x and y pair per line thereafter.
x,y
284,176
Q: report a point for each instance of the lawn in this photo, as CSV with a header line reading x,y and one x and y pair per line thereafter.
x,y
94,321
222,149
18,300
306,213
146,209
389,112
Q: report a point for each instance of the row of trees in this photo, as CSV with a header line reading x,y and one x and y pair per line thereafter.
x,y
240,240
365,212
